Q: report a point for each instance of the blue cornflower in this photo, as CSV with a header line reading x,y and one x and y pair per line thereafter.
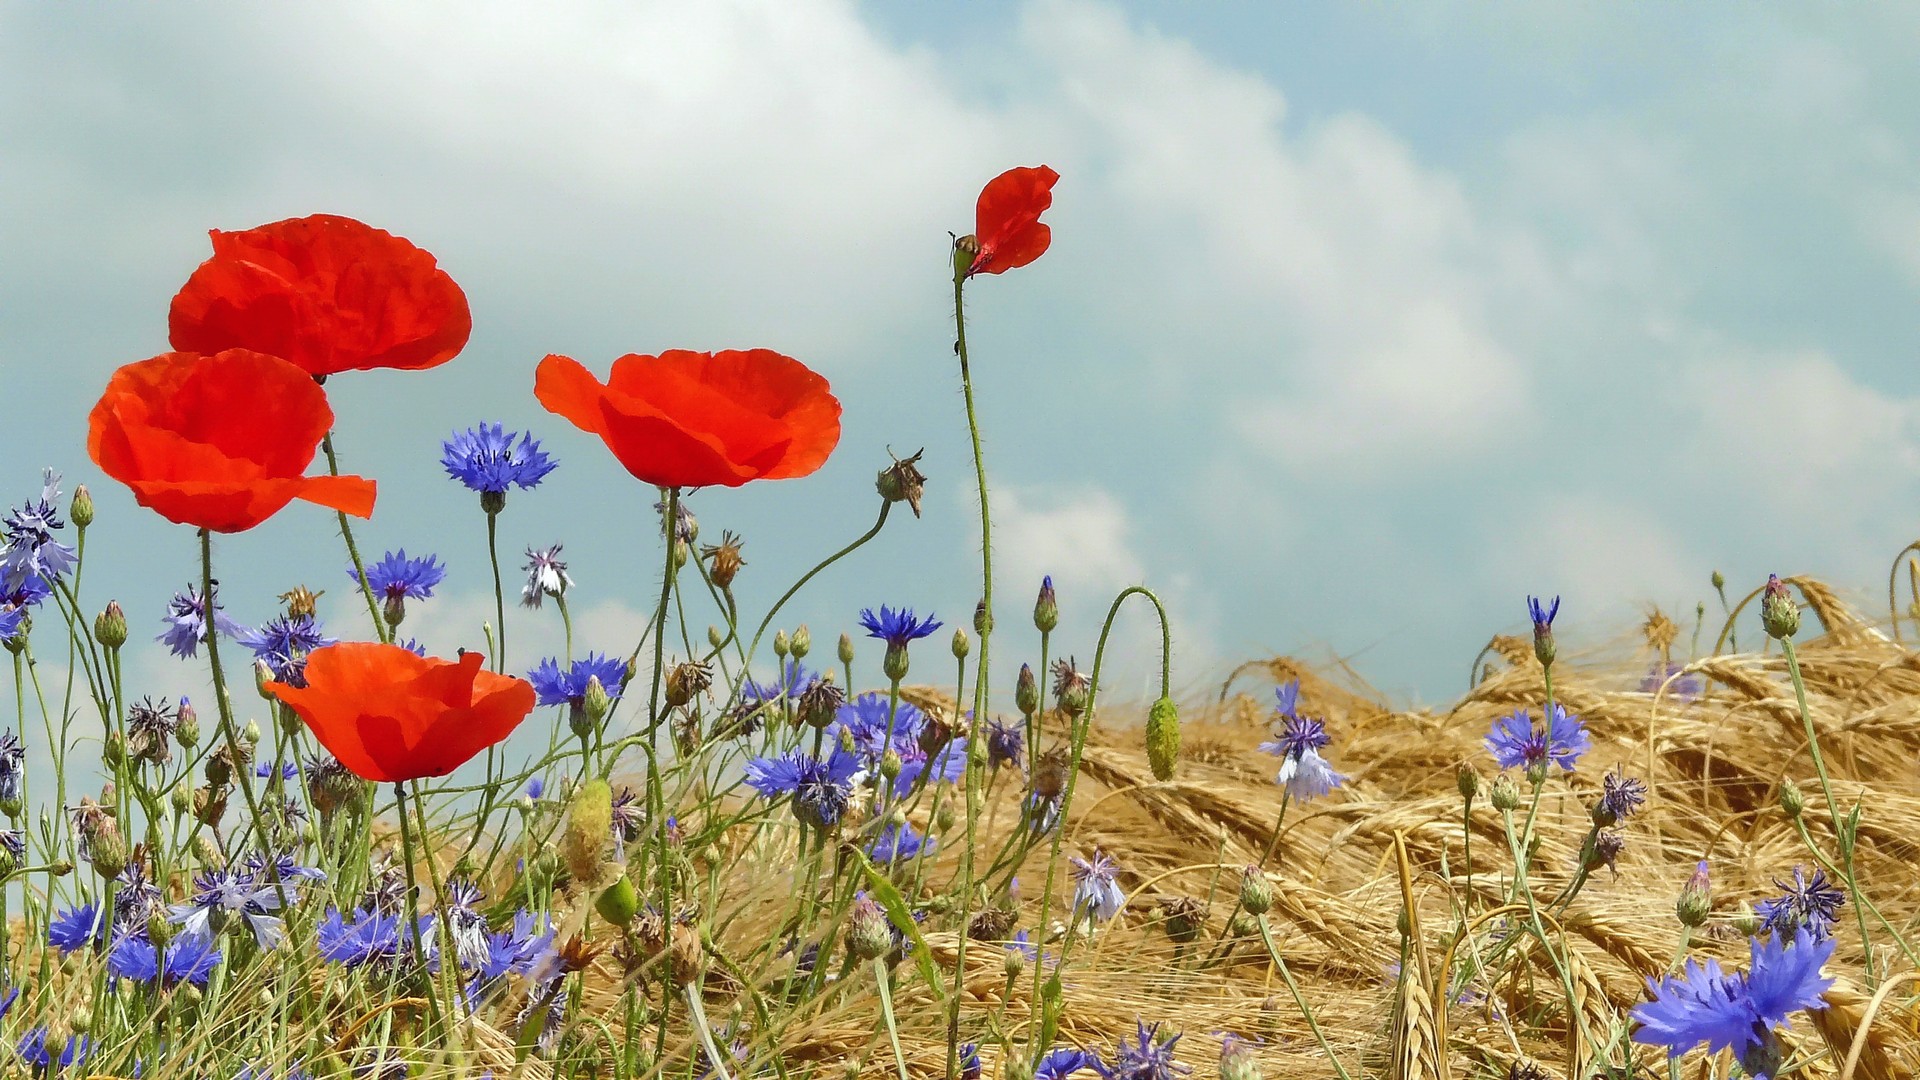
x,y
1095,889
1301,734
1040,813
794,680
228,892
1308,776
372,935
282,867
897,628
821,790
396,579
1516,741
1006,744
34,1051
284,643
287,770
1812,904
11,619
556,687
189,958
518,948
469,925
186,620
1683,687
1620,796
898,843
1304,773
877,725
1542,613
1145,1058
1287,699
536,787
75,928
1741,1011
1062,1062
970,1056
13,765
29,592
14,843
136,899
412,645
485,459
626,816
30,549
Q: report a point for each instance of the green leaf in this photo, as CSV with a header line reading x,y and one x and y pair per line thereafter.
x,y
895,906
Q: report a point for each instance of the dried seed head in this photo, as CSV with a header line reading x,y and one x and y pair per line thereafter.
x,y
992,924
1184,918
723,559
902,481
1660,631
687,680
1050,773
300,600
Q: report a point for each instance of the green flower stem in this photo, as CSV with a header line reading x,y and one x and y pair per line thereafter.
x,y
1280,965
1525,895
380,628
223,703
499,593
656,797
1843,829
434,1003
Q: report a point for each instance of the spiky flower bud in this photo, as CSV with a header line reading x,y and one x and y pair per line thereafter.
x,y
682,551
869,934
1046,609
1468,779
82,509
1014,963
961,646
802,642
208,852
1050,773
187,732
110,626
1719,581
1256,892
945,817
107,849
846,649
1746,922
1696,898
589,825
251,733
1243,925
1779,615
181,798
1504,795
595,701
394,610
1026,691
1792,800
1163,738
902,481
781,647
114,750
890,764
1237,1059
894,663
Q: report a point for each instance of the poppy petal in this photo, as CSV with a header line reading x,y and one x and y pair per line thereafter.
x,y
568,389
347,494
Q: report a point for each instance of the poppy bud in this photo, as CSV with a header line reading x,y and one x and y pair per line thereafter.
x,y
1468,778
1791,798
801,643
589,823
846,649
1026,692
1256,892
1163,738
869,934
187,732
982,618
594,700
1504,795
961,646
619,903
1046,610
1779,615
82,509
110,626
903,482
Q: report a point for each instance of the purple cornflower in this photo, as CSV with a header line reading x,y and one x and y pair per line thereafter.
x,y
519,947
396,579
536,787
30,549
1620,796
1542,613
11,619
1062,1062
897,628
627,816
970,1052
30,592
282,867
34,1051
221,894
186,620
1304,773
546,576
75,928
14,843
569,687
821,790
1287,699
1095,889
1144,1058
1006,744
1685,687
287,770
1301,734
1742,1011
469,925
1810,904
686,527
372,936
284,643
794,680
413,646
485,459
189,958
897,844
876,725
136,899
1516,741
1307,777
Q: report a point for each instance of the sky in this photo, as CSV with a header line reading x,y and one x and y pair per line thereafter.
x,y
1361,322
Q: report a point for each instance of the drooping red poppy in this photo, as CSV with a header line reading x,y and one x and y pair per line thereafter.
x,y
221,442
693,419
390,715
1007,233
328,293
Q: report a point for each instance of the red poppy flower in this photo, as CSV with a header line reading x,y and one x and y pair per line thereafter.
x,y
390,715
221,442
1007,233
691,419
328,293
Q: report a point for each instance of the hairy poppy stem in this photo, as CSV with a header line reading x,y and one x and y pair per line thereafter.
x,y
223,705
380,628
656,797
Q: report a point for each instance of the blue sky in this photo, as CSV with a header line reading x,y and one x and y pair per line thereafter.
x,y
1361,322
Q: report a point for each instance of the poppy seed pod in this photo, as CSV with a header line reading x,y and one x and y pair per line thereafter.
x,y
110,626
1163,738
589,825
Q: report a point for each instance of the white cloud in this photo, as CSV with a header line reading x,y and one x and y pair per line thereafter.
x,y
1604,556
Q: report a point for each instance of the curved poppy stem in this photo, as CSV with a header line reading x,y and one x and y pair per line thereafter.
x,y
380,628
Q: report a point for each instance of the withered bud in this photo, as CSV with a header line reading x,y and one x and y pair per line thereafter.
x,y
902,481
301,600
684,681
723,559
1050,773
1184,918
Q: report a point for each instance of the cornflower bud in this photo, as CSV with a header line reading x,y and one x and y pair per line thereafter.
x,y
1504,795
869,934
846,649
110,626
1468,779
1046,609
1256,893
961,646
780,645
801,643
1696,899
82,509
1779,615
1791,798
1026,692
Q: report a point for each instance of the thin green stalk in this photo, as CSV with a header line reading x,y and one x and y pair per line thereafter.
x,y
882,979
413,900
1280,965
499,592
380,628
